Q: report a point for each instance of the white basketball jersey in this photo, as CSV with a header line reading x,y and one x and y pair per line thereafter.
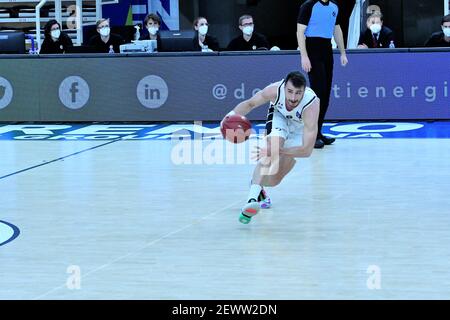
x,y
296,113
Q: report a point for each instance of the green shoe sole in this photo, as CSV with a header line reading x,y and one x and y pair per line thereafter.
x,y
243,219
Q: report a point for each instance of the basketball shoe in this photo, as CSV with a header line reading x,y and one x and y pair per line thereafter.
x,y
264,200
248,211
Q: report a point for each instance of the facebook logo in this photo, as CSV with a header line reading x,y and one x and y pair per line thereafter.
x,y
152,92
6,93
74,92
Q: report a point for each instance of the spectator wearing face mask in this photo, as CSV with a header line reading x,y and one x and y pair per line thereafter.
x,y
55,41
104,40
441,38
202,40
249,40
152,23
376,35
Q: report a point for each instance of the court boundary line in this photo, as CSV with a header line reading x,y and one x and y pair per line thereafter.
x,y
145,246
16,232
58,159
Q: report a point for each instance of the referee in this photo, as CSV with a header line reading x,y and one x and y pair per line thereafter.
x,y
318,21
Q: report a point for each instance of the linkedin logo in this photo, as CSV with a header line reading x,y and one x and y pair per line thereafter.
x,y
6,93
152,92
74,92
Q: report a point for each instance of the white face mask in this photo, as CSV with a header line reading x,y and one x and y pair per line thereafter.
x,y
105,31
153,30
55,33
446,31
203,30
375,28
248,30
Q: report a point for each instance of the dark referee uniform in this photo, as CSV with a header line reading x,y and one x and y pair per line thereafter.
x,y
320,19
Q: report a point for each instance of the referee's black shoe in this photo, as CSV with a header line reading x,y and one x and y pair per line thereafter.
x,y
326,141
319,144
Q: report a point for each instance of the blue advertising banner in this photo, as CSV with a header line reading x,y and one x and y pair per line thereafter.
x,y
204,87
412,85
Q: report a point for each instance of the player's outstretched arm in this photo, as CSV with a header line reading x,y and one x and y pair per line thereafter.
x,y
310,117
269,93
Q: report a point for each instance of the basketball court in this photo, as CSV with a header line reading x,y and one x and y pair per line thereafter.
x,y
104,212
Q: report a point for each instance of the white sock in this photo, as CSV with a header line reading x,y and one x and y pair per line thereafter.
x,y
255,189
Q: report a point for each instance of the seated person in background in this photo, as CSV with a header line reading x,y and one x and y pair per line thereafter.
x,y
55,40
202,40
376,35
152,22
249,40
441,38
105,40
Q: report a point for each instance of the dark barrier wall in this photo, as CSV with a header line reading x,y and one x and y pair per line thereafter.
x,y
375,85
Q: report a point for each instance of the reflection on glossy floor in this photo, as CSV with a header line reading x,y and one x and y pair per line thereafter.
x,y
361,219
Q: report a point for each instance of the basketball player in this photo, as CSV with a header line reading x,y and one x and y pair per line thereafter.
x,y
291,132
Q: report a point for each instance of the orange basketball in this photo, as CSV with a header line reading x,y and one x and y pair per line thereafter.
x,y
236,128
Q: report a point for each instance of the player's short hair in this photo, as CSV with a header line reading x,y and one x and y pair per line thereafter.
x,y
297,79
376,15
242,18
154,17
445,19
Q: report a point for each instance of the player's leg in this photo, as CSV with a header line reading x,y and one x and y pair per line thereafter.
x,y
266,167
285,166
269,166
271,177
276,133
275,143
286,163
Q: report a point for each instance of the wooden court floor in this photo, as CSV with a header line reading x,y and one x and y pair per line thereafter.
x,y
361,219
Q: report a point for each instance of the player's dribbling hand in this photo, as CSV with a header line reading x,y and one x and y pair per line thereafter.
x,y
306,64
259,153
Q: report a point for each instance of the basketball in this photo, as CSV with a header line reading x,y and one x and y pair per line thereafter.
x,y
236,128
